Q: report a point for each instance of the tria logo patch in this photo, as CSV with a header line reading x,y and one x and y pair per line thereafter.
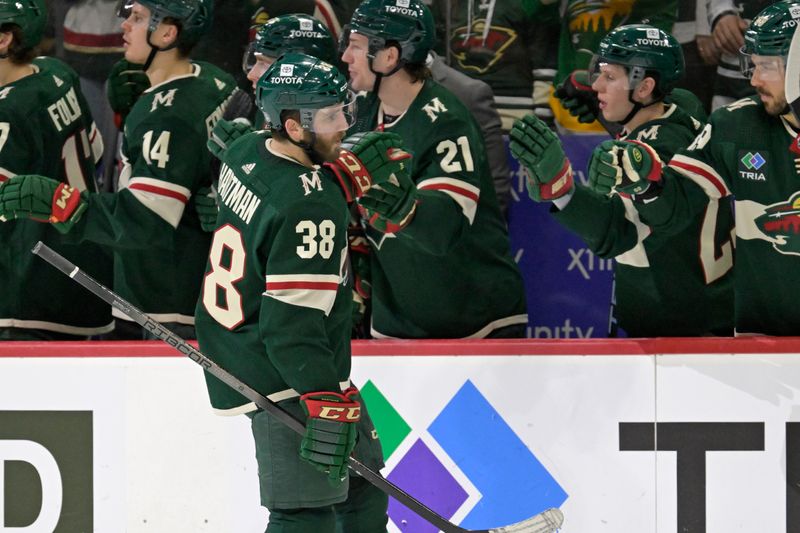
x,y
753,165
781,222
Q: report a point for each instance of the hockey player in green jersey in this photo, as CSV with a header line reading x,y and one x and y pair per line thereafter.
x,y
45,128
665,285
279,35
441,265
276,303
159,246
742,152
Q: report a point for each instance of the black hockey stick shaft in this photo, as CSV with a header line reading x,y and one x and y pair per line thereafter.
x,y
162,333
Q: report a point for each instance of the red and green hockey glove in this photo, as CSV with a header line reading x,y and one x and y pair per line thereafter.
x,y
577,96
539,151
628,167
126,82
41,199
367,158
224,133
330,431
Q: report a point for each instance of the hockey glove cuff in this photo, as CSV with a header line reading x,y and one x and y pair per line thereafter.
x,y
330,431
626,167
41,199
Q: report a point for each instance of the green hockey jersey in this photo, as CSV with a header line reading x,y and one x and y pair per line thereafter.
x,y
665,284
275,307
46,128
449,273
743,152
159,247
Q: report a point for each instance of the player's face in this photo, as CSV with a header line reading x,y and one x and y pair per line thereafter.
x,y
260,67
327,145
768,80
355,55
612,86
134,34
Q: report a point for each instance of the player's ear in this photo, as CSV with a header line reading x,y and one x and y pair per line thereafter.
x,y
6,38
644,90
167,34
293,129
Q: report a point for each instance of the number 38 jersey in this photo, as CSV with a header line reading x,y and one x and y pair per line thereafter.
x,y
275,306
46,128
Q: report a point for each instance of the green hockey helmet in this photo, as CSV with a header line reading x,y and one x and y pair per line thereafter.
x,y
770,33
29,15
315,88
291,33
645,51
194,16
409,23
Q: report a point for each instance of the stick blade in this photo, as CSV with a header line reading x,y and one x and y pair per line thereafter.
x,y
545,522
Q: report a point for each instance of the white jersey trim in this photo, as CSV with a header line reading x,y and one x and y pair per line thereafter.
x,y
702,174
275,397
636,256
316,291
165,199
58,328
465,195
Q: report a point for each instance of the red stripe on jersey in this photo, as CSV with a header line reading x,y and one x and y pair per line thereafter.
x,y
698,170
109,40
329,22
452,188
158,190
312,285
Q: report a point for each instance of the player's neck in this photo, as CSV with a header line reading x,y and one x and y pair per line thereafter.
x,y
167,65
10,72
644,115
288,149
397,92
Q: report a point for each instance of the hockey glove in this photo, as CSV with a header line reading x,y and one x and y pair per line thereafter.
x,y
41,199
330,431
367,158
577,97
627,167
126,82
359,254
224,133
538,149
205,203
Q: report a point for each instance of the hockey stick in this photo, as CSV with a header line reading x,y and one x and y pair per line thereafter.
x,y
546,522
792,76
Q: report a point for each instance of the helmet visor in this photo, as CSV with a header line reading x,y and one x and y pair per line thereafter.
x,y
609,77
124,8
252,59
334,118
766,68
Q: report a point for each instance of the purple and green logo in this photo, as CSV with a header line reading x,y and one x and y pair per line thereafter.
x,y
508,483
